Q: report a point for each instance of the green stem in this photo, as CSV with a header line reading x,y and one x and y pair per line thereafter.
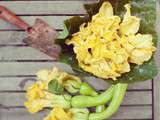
x,y
120,90
100,108
86,89
89,101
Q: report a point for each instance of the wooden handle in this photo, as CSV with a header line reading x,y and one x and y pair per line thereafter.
x,y
9,16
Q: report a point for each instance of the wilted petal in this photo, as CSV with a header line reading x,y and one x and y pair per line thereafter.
x,y
106,10
130,24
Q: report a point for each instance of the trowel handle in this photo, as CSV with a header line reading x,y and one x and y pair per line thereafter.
x,y
10,17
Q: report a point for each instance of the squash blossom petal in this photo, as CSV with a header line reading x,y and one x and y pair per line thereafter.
x,y
38,96
130,24
58,113
35,95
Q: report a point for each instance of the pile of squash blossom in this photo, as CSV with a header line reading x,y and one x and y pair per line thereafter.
x,y
105,47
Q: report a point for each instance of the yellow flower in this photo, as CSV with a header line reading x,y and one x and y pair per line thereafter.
x,y
36,105
43,74
107,45
58,113
35,91
35,95
38,98
143,48
55,74
130,24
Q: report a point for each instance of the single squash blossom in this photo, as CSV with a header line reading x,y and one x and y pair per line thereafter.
x,y
35,97
71,83
38,97
59,113
61,76
107,45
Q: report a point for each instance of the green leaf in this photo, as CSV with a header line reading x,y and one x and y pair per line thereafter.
x,y
73,23
64,33
55,88
145,9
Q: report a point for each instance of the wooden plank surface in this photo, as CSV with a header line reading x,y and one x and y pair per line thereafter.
x,y
136,112
20,114
19,62
18,99
56,21
28,68
12,37
46,7
15,82
21,53
156,82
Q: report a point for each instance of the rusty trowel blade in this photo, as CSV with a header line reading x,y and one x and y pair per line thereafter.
x,y
42,37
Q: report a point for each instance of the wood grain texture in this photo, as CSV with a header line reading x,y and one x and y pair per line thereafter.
x,y
131,98
46,7
133,113
22,53
54,21
102,85
12,37
14,84
28,68
156,82
20,114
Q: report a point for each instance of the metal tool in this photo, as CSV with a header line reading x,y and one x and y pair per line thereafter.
x,y
40,36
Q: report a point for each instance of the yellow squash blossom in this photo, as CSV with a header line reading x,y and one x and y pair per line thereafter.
x,y
38,98
70,82
60,76
107,45
58,113
35,96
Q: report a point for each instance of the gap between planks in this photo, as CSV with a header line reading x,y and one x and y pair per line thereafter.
x,y
15,84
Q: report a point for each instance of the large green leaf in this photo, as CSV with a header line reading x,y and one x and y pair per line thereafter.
x,y
145,9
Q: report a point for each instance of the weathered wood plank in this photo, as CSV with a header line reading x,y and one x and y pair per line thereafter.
x,y
20,114
54,21
25,68
131,98
12,37
156,82
22,53
102,85
137,112
133,113
30,68
13,84
156,96
46,7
